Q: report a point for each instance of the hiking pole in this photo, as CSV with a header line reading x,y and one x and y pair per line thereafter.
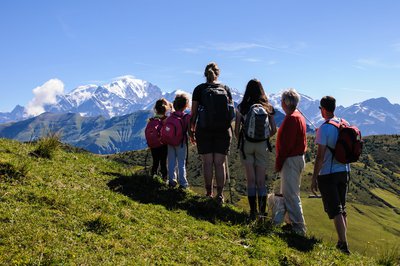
x,y
228,177
306,118
145,160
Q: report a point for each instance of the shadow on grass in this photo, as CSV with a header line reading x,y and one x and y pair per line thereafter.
x,y
145,189
301,243
148,190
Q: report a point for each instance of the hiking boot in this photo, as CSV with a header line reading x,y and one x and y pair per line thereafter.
x,y
342,246
252,216
253,207
262,204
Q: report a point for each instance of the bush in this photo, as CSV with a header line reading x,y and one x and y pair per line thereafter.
x,y
9,171
46,146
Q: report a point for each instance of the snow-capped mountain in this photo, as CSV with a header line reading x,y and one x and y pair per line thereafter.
x,y
127,95
123,96
307,105
372,117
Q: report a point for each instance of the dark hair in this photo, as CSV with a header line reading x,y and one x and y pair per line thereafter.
x,y
161,106
181,101
329,103
211,72
254,94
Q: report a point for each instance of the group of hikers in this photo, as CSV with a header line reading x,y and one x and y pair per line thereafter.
x,y
208,125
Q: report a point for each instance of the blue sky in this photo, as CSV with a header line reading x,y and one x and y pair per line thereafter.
x,y
348,49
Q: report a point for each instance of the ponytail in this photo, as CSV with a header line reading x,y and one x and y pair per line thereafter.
x,y
211,72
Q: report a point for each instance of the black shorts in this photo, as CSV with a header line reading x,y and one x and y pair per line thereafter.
x,y
213,141
333,188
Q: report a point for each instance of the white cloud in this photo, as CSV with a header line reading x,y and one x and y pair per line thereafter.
x,y
232,47
45,94
356,90
124,77
252,60
191,50
376,63
194,72
241,46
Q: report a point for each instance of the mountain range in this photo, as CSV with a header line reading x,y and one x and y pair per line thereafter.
x,y
111,118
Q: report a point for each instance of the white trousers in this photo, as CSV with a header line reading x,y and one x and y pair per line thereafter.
x,y
290,188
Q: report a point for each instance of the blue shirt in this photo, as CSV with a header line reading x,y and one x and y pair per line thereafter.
x,y
327,135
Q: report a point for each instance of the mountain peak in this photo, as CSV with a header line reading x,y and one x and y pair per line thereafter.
x,y
377,101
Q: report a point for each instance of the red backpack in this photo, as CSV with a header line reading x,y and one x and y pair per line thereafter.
x,y
174,129
153,132
349,143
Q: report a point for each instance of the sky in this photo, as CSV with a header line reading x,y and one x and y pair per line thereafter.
x,y
349,49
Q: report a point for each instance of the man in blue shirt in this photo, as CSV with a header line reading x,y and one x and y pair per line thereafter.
x,y
330,176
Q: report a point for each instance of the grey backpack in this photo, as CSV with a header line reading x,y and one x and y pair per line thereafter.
x,y
256,124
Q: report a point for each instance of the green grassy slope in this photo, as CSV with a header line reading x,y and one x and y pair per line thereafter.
x,y
373,196
82,209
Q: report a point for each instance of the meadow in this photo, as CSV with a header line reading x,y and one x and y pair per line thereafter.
x,y
75,208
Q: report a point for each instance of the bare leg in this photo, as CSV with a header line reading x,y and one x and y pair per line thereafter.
x,y
341,228
208,172
219,163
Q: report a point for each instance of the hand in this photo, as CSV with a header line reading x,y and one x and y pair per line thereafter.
x,y
192,137
314,186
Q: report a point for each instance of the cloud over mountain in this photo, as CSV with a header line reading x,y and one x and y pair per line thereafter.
x,y
44,95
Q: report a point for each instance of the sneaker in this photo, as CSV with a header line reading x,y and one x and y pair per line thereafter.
x,y
342,246
220,200
209,195
172,184
183,187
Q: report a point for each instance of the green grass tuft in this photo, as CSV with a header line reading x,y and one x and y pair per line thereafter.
x,y
47,146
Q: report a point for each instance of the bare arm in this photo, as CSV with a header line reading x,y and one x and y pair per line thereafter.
x,y
317,167
193,113
193,117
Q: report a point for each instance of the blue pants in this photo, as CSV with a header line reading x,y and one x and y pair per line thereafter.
x,y
177,157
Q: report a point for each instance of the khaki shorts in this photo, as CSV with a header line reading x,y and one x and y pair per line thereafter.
x,y
257,153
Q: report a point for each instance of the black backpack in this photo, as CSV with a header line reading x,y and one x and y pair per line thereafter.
x,y
216,110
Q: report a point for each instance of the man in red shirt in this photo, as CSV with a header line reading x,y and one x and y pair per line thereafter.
x,y
291,144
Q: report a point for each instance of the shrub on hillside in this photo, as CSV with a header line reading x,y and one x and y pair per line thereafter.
x,y
9,171
47,145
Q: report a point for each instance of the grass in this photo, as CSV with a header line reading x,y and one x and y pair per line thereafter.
x,y
392,199
82,209
371,229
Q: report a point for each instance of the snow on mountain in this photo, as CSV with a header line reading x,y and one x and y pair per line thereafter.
x,y
373,116
127,94
122,96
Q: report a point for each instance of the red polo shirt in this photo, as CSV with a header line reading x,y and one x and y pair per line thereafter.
x,y
291,139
